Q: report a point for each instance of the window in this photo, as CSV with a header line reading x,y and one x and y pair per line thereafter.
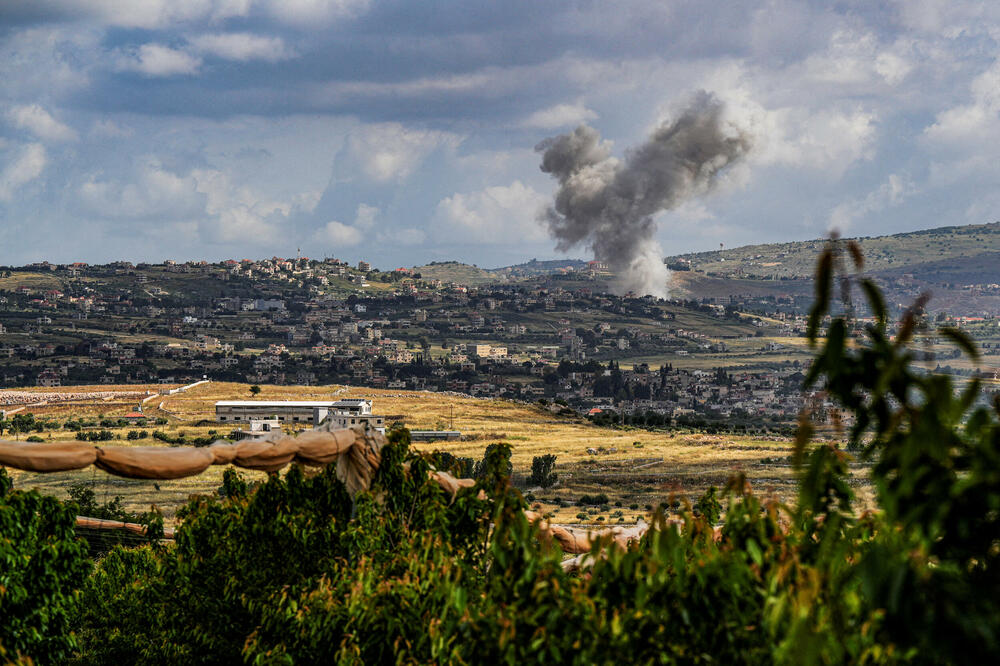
x,y
222,418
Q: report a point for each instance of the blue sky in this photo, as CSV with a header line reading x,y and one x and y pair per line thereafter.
x,y
404,132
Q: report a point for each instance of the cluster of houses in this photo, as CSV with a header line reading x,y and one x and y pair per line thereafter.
x,y
302,321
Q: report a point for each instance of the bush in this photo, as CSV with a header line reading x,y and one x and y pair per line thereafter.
x,y
95,435
593,499
43,568
34,438
541,471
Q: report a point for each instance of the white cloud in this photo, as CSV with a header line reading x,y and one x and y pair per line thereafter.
x,y
365,217
238,214
976,121
158,60
242,46
40,122
407,236
240,224
830,137
560,115
152,14
499,214
155,193
347,235
311,12
110,129
24,168
390,151
338,234
892,192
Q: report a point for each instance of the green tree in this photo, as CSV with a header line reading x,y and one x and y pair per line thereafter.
x,y
542,471
42,568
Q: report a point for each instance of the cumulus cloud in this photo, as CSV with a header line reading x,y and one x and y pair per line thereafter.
x,y
106,128
829,138
309,12
391,151
156,192
975,120
560,115
347,235
499,214
365,217
238,213
159,14
22,169
40,122
147,14
892,192
306,12
156,60
242,46
338,234
222,211
405,236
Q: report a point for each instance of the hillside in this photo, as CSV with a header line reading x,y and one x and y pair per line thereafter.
x,y
470,275
457,272
931,254
674,463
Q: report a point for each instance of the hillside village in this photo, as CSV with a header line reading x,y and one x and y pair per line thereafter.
x,y
550,332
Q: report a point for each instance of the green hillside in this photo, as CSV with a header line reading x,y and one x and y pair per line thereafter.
x,y
457,272
945,254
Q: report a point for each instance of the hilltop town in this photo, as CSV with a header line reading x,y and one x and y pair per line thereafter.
x,y
544,331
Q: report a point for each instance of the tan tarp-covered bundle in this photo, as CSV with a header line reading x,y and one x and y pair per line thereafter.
x,y
452,484
60,457
317,447
101,524
153,462
356,451
574,540
265,456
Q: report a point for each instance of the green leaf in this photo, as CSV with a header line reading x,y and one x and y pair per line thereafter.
x,y
962,340
875,302
824,280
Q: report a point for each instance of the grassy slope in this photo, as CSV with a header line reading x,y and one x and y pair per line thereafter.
x,y
691,461
453,271
946,247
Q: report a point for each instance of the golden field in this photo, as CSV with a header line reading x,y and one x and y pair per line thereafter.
x,y
633,466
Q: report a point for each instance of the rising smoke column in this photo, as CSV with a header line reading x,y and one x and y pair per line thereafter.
x,y
609,205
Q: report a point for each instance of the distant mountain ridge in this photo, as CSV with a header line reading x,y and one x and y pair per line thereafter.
x,y
966,254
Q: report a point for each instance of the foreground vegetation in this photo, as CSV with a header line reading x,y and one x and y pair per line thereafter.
x,y
296,571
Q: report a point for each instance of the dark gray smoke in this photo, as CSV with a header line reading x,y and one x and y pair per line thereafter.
x,y
609,205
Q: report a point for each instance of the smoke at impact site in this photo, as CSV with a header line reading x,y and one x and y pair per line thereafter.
x,y
609,205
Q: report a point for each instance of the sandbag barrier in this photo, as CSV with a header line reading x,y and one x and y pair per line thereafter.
x,y
356,451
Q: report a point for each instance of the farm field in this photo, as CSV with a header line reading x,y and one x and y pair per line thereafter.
x,y
633,467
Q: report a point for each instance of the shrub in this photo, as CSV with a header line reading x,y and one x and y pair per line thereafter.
x,y
542,473
43,568
593,499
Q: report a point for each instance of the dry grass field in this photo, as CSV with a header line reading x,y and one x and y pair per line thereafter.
x,y
636,468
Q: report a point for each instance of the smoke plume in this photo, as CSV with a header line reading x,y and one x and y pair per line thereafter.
x,y
609,205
